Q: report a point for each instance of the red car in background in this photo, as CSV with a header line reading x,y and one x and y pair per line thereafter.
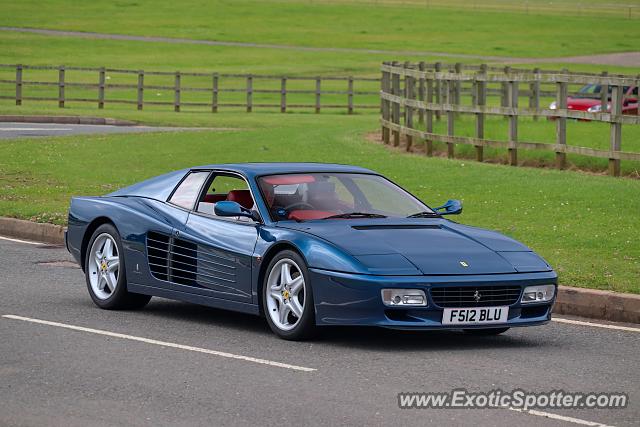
x,y
588,99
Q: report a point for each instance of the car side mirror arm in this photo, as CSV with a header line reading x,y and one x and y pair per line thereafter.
x,y
451,207
228,208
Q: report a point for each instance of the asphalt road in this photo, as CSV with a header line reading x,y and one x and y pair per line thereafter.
x,y
9,130
179,364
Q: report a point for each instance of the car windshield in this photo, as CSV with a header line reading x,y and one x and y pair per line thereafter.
x,y
593,91
336,196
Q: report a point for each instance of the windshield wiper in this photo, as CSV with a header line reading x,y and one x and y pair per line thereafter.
x,y
356,215
424,214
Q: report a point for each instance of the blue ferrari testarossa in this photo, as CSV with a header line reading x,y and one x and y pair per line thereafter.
x,y
305,245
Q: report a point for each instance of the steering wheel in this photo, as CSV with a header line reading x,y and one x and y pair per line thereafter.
x,y
302,204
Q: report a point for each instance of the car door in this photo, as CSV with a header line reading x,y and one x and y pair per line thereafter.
x,y
169,266
224,247
630,105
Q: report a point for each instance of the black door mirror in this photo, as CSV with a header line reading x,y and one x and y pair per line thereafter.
x,y
452,207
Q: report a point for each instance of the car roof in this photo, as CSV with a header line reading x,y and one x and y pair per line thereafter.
x,y
161,187
258,169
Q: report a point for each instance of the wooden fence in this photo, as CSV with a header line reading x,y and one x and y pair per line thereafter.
x,y
413,96
94,85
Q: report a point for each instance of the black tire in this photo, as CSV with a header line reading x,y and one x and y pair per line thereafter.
x,y
485,332
306,325
120,298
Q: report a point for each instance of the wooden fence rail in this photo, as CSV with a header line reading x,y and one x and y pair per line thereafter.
x,y
340,92
431,92
99,81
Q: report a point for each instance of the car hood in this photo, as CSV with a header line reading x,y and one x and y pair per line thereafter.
x,y
429,246
581,104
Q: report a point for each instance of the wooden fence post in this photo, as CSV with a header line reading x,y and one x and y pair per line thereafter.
x,y
409,84
513,123
395,106
140,89
318,93
534,94
214,93
18,84
101,85
429,117
450,118
604,94
61,86
617,95
505,89
421,91
176,93
561,124
350,96
481,101
283,95
249,93
438,90
458,85
385,86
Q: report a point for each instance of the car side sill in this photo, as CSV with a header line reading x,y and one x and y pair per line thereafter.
x,y
194,298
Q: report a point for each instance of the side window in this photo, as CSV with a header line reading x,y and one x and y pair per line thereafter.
x,y
187,192
229,188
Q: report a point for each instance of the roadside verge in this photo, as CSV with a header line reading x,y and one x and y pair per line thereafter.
x,y
591,303
67,120
38,232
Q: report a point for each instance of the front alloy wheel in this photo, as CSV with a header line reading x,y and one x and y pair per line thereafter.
x,y
287,297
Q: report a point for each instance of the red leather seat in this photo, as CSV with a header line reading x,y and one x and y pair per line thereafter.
x,y
214,198
242,197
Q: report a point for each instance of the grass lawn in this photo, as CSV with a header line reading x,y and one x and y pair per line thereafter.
x,y
585,226
392,25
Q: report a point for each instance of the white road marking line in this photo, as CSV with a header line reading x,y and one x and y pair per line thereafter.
x,y
595,325
162,343
559,417
21,241
33,129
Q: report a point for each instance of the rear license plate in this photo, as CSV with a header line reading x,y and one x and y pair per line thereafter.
x,y
475,316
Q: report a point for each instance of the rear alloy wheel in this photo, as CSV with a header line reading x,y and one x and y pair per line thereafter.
x,y
486,332
287,299
105,272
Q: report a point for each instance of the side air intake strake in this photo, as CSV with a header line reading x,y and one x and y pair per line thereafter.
x,y
180,261
184,262
157,255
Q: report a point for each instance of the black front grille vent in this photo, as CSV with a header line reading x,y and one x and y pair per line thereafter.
x,y
475,296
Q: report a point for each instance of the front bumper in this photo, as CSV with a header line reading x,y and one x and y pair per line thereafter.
x,y
354,299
